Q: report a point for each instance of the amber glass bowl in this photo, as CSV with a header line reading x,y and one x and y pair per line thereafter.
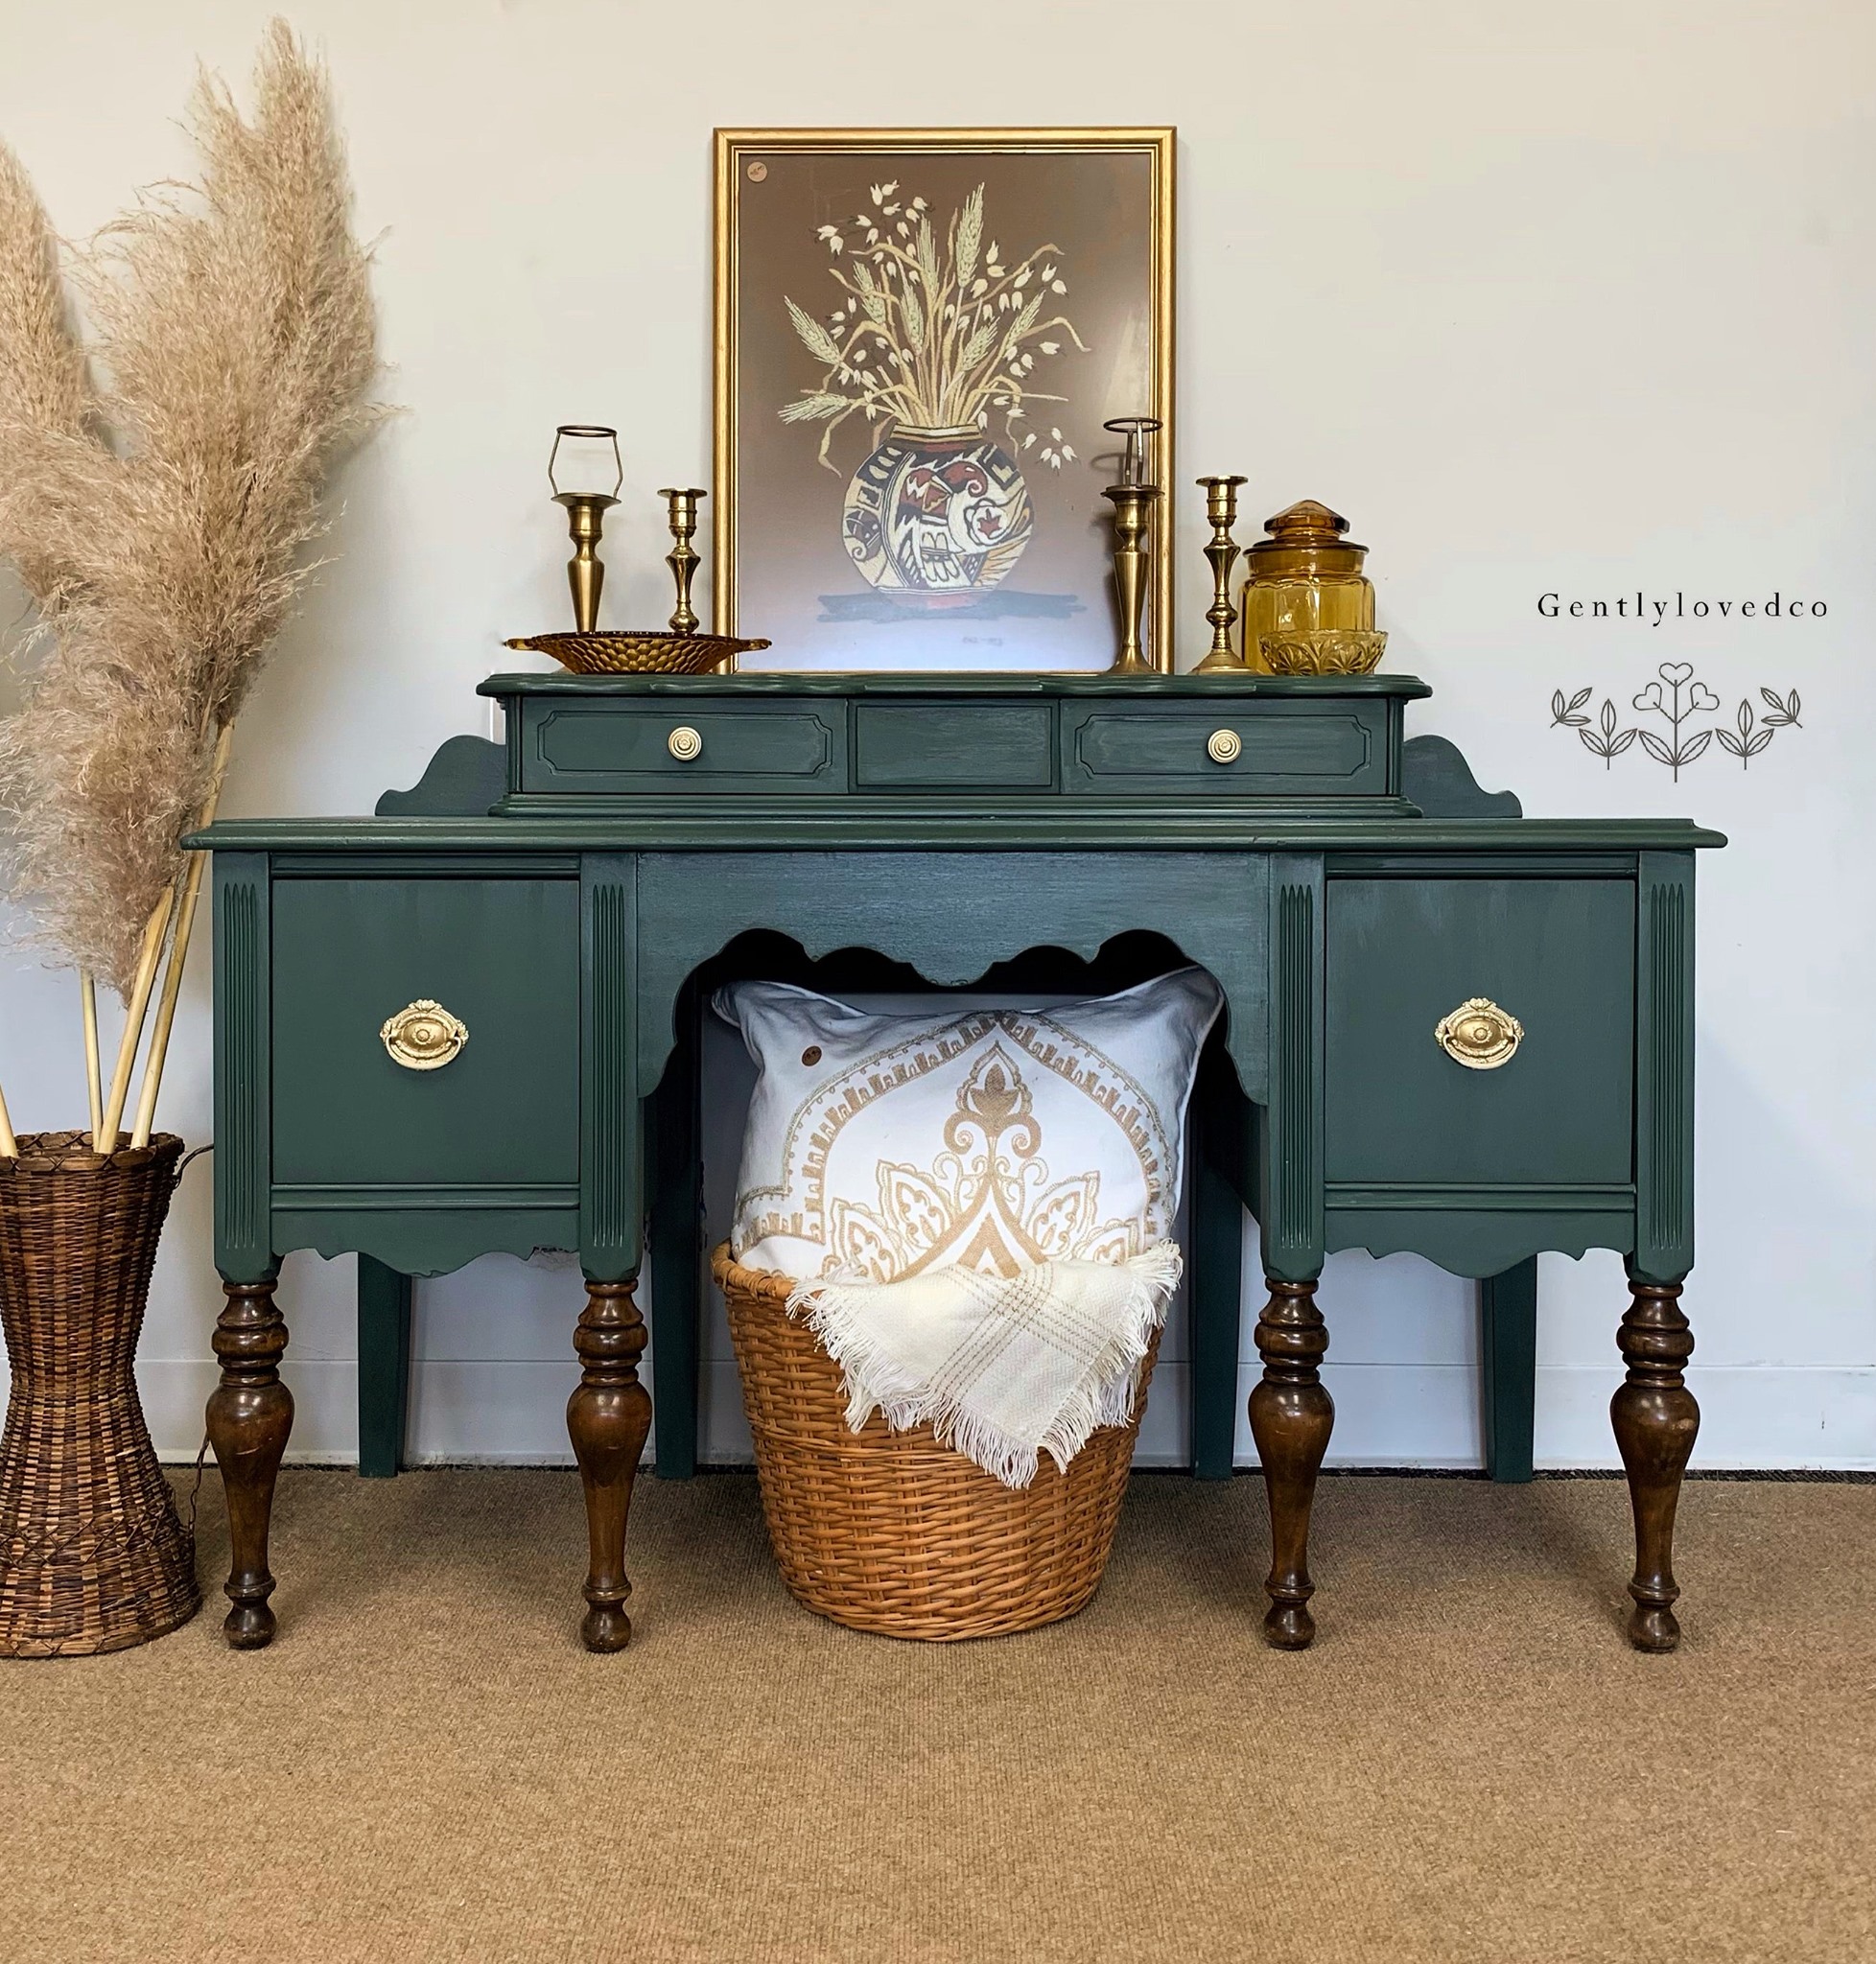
x,y
638,651
1329,651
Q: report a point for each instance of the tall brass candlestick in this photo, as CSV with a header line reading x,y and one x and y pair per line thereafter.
x,y
1221,512
586,570
682,558
1132,503
586,510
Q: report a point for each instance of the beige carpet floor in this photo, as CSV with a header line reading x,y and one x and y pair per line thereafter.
x,y
1470,1764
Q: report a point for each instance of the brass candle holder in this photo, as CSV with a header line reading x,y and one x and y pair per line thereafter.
x,y
586,510
1132,500
1221,512
681,517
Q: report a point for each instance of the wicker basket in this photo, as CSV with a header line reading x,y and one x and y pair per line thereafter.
x,y
891,1532
92,1555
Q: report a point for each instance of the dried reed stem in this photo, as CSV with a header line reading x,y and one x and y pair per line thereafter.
x,y
185,921
136,1006
94,1088
9,1145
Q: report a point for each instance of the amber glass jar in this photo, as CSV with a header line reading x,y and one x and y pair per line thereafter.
x,y
1303,577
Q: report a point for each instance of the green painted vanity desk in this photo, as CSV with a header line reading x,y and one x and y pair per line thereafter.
x,y
470,1025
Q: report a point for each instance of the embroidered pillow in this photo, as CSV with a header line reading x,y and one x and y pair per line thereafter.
x,y
888,1146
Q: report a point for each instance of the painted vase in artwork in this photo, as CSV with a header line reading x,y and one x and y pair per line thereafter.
x,y
935,517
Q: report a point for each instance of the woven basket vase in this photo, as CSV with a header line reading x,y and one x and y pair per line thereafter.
x,y
92,1555
889,1531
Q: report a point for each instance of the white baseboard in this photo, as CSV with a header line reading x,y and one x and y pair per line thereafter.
x,y
482,1412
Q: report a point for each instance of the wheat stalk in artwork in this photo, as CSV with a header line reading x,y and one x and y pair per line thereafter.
x,y
158,486
930,335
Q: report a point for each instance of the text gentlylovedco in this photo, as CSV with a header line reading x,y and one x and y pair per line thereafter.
x,y
1652,609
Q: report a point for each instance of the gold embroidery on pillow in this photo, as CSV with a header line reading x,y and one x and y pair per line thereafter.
x,y
990,1208
978,1206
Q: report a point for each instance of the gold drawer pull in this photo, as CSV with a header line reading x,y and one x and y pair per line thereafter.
x,y
1224,746
1479,1034
424,1035
683,744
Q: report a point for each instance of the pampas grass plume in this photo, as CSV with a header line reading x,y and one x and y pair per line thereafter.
x,y
158,486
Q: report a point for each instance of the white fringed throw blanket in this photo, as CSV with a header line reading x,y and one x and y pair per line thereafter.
x,y
1003,1366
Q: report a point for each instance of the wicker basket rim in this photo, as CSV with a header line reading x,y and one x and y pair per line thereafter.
x,y
770,1284
65,1152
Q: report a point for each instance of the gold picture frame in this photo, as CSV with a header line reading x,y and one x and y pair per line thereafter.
x,y
817,566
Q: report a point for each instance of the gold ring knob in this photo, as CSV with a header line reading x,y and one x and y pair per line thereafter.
x,y
1479,1034
1223,746
424,1035
683,744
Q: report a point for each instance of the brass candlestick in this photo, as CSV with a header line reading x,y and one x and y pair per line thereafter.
x,y
682,558
1133,502
586,510
1221,510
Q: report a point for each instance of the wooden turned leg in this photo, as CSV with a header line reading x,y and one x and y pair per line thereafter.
x,y
608,1419
250,1412
1655,1420
1291,1416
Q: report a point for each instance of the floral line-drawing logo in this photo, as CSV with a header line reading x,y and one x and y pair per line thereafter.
x,y
1679,699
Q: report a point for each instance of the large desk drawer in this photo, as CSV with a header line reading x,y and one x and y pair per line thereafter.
x,y
1558,954
501,955
676,747
1265,748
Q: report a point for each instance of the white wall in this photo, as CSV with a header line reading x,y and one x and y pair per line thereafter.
x,y
1571,298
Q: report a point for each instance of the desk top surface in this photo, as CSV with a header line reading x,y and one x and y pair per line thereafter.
x,y
954,684
902,824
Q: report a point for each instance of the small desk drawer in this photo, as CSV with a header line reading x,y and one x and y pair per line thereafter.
x,y
953,746
676,747
1274,749
502,956
1559,955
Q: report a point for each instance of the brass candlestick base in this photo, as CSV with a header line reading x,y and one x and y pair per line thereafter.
x,y
682,558
1221,512
1133,504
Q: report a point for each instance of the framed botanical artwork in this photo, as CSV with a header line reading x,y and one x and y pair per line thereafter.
x,y
919,333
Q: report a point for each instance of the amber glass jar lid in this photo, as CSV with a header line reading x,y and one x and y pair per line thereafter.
x,y
1306,540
